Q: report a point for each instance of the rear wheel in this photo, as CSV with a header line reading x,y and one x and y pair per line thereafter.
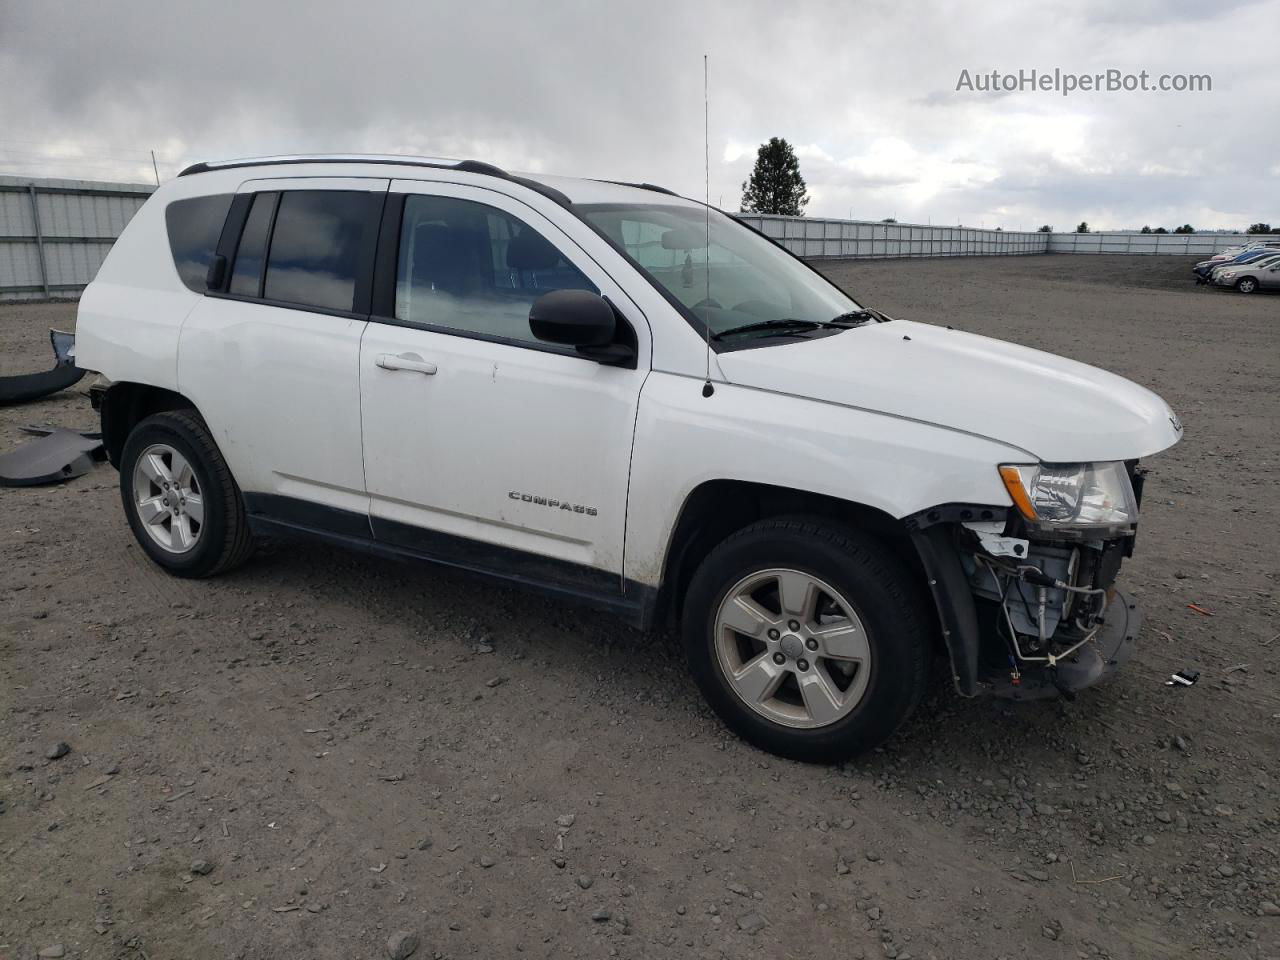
x,y
181,501
1246,284
808,640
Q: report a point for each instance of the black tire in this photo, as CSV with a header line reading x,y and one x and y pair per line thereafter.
x,y
224,541
887,599
1246,285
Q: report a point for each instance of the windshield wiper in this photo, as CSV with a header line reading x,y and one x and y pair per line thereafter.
x,y
858,317
783,326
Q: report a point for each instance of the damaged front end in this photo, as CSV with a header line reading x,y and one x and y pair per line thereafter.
x,y
1026,595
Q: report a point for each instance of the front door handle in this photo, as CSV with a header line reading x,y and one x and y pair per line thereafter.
x,y
405,361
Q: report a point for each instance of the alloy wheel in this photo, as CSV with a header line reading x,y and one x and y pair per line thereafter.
x,y
168,498
793,648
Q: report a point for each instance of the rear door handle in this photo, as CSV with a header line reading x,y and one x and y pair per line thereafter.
x,y
405,361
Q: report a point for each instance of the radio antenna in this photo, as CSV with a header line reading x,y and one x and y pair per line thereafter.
x,y
707,388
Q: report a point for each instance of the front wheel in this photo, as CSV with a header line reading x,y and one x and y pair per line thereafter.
x,y
808,639
182,503
1246,284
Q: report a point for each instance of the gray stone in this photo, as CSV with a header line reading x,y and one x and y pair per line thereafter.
x,y
565,820
752,923
601,916
1269,909
201,868
487,861
402,944
59,749
584,882
57,949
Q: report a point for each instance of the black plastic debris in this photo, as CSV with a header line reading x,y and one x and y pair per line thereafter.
x,y
1183,678
59,456
33,386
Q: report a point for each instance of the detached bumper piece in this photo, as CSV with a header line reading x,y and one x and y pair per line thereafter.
x,y
57,456
33,386
1097,659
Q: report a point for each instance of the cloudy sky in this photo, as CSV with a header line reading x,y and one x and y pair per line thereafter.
x,y
865,90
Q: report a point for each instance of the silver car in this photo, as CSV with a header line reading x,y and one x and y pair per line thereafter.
x,y
1261,274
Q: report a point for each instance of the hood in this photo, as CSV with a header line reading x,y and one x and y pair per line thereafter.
x,y
1058,410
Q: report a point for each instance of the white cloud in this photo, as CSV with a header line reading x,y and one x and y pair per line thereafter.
x,y
866,91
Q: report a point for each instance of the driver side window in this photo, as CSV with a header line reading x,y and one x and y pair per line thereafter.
x,y
472,268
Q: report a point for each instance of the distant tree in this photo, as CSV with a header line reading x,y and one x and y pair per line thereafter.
x,y
775,184
1145,229
1260,228
1083,227
889,220
1045,229
1185,228
1159,230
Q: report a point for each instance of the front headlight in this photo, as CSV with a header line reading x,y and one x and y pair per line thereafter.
x,y
1095,497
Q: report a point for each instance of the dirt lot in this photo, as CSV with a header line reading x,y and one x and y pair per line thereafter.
x,y
356,747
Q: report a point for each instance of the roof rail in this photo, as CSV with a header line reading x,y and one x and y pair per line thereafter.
x,y
439,163
643,186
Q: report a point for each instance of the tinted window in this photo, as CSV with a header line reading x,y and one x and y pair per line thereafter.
x,y
194,226
246,274
469,266
320,246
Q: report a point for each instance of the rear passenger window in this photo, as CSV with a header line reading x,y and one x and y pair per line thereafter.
x,y
471,267
246,274
194,226
321,245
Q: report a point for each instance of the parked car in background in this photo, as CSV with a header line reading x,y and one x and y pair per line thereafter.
x,y
1232,252
620,396
1204,268
1260,274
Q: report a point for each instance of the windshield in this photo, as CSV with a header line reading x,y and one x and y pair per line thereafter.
x,y
741,280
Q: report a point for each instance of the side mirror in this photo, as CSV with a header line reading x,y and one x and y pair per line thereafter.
x,y
578,318
586,321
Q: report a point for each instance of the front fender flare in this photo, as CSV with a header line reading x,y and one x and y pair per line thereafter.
x,y
933,534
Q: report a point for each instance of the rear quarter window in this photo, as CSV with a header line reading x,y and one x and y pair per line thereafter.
x,y
194,226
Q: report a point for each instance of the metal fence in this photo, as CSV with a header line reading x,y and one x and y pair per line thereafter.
x,y
814,238
1170,244
54,234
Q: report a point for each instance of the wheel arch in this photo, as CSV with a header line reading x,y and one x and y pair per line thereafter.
x,y
123,405
717,508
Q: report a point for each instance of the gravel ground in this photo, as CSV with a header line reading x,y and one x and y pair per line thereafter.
x,y
321,750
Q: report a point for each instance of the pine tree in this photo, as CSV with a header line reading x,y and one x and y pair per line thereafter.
x,y
775,184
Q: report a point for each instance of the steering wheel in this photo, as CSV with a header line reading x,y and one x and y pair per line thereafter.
x,y
708,302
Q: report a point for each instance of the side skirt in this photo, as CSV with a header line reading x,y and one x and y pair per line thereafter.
x,y
273,515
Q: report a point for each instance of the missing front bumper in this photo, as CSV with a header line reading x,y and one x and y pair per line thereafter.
x,y
1093,662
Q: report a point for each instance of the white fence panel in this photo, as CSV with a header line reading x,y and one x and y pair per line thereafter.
x,y
1150,244
821,238
54,234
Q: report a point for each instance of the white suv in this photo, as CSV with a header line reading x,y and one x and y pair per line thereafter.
x,y
626,398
